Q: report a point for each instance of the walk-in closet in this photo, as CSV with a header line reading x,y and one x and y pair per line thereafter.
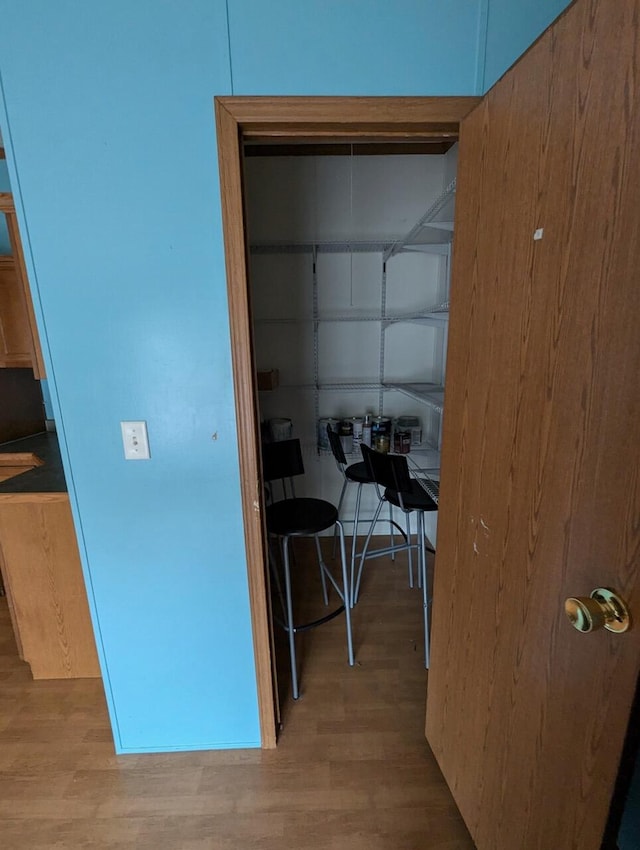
x,y
350,254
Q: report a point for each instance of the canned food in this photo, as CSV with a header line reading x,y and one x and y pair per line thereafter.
x,y
380,425
281,429
381,443
358,424
323,440
346,435
402,442
411,423
366,431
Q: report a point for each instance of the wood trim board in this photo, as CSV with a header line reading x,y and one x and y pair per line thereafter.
x,y
297,119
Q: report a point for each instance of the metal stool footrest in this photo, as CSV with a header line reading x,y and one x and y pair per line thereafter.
x,y
303,627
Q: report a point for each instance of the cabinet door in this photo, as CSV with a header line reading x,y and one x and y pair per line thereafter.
x,y
40,563
19,339
15,335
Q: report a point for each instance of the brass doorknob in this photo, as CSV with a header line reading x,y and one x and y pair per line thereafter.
x,y
603,608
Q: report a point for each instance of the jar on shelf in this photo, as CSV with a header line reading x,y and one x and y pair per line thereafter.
x,y
358,424
381,443
323,440
281,429
345,432
366,431
381,426
412,424
401,442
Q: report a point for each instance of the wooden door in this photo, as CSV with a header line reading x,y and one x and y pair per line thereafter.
x,y
540,495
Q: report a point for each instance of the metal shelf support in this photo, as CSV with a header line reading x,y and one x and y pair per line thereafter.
x,y
427,220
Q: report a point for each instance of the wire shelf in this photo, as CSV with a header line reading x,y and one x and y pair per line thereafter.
x,y
437,312
430,394
440,230
355,247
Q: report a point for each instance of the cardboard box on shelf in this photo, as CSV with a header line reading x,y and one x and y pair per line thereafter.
x,y
268,380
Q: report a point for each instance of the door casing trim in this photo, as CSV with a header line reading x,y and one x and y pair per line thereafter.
x,y
296,119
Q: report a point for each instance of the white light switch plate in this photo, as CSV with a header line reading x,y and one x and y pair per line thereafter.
x,y
135,440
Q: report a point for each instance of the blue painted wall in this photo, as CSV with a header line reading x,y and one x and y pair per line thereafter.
x,y
111,143
110,132
355,47
511,28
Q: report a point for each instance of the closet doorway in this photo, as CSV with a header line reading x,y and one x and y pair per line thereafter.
x,y
350,257
539,495
294,121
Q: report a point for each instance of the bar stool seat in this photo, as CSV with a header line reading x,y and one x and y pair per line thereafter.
x,y
300,517
413,499
358,473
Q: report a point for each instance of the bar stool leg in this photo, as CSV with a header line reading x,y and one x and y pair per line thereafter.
x,y
409,555
340,501
275,573
354,543
321,564
346,593
425,597
391,538
355,590
290,625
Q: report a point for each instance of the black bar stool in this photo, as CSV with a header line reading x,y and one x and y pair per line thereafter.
x,y
391,472
302,517
358,473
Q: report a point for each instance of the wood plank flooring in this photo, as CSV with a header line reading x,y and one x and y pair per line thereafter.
x,y
352,768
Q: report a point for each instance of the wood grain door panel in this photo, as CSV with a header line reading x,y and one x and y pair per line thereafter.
x,y
40,564
540,494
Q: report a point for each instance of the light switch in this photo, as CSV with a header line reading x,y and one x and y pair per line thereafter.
x,y
135,440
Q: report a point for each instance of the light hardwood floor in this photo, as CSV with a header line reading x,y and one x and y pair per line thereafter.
x,y
352,768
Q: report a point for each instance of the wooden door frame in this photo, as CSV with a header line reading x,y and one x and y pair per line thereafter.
x,y
296,119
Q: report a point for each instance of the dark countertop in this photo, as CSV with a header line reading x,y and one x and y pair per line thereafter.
x,y
48,478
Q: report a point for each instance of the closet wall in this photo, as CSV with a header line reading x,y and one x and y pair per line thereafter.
x,y
342,213
157,356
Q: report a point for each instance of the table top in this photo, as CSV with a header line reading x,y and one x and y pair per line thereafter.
x,y
48,478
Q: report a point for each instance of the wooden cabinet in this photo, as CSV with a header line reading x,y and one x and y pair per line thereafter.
x,y
19,340
45,589
15,334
